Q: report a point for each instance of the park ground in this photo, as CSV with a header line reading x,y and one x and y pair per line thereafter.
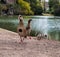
x,y
10,47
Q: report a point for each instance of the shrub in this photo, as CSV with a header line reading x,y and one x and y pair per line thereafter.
x,y
57,11
38,10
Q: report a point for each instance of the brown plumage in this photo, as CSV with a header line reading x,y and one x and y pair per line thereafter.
x,y
22,30
28,28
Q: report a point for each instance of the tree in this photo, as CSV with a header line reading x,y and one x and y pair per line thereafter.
x,y
38,10
35,6
25,7
53,4
57,11
0,9
17,9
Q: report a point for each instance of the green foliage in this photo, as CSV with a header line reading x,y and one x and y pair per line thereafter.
x,y
36,6
16,9
38,10
34,33
5,25
25,7
0,8
53,3
57,11
54,7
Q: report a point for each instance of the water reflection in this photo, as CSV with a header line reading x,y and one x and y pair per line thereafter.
x,y
40,25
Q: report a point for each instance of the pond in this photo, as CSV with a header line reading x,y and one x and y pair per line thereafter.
x,y
49,25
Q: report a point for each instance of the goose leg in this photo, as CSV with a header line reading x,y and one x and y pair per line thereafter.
x,y
29,37
21,40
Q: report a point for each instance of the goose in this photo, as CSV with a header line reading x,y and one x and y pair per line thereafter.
x,y
22,30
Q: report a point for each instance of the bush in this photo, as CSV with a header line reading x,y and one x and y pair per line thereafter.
x,y
38,10
57,11
25,7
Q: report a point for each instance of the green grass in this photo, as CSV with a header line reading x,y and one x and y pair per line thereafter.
x,y
9,17
8,26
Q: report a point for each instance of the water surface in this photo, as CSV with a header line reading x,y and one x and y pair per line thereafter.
x,y
49,25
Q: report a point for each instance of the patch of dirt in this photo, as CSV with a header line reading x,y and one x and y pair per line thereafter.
x,y
10,47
